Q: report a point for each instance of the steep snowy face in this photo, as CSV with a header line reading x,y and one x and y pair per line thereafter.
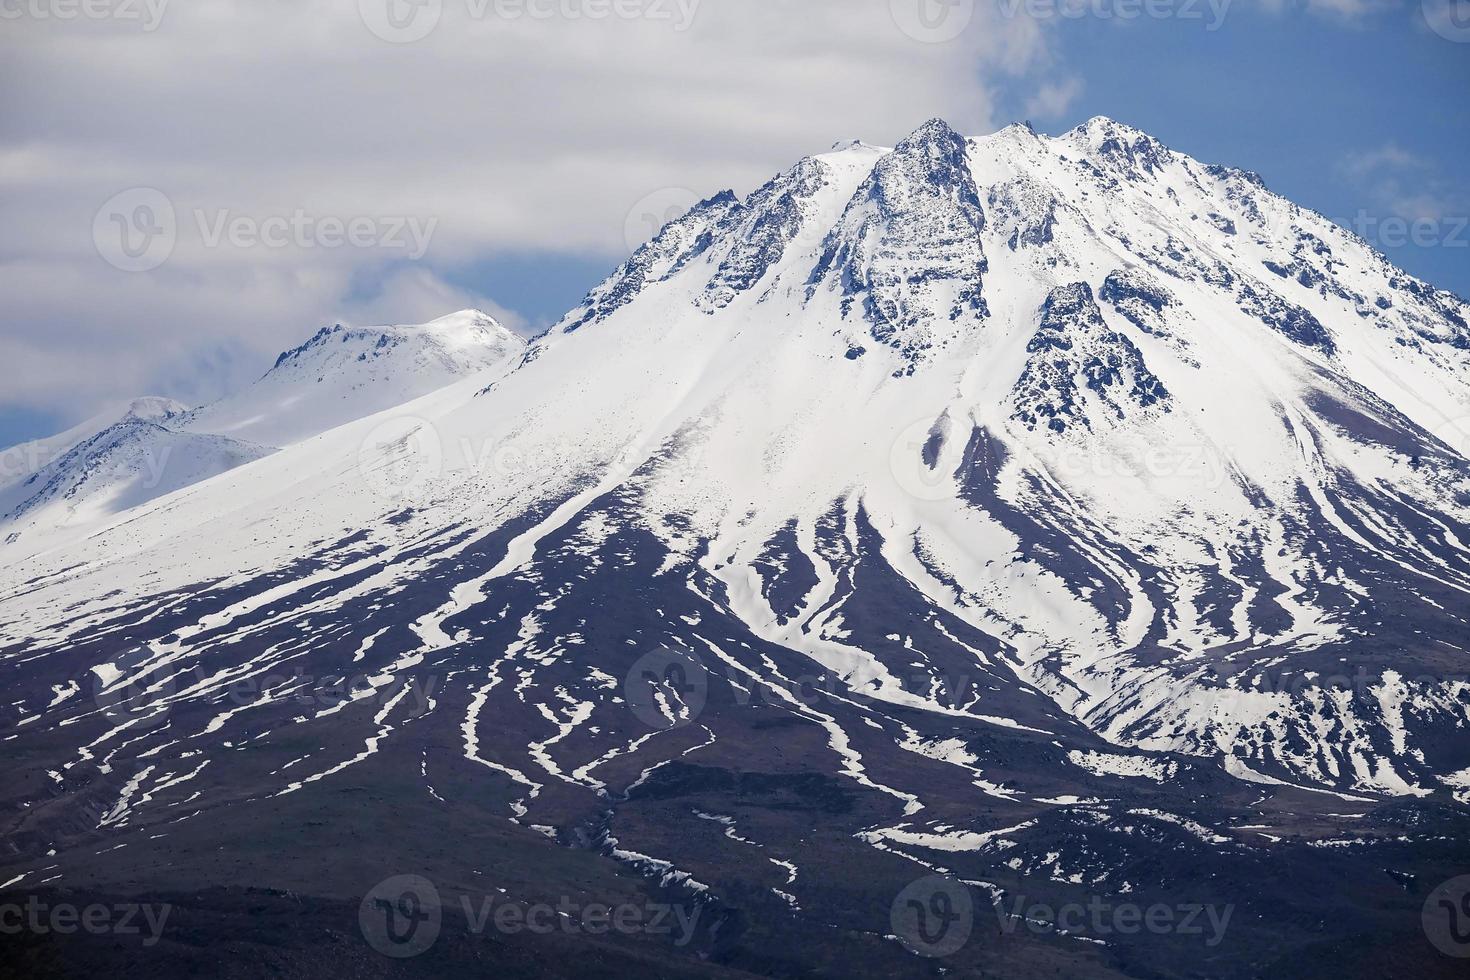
x,y
724,247
909,243
345,373
1069,468
676,244
1079,370
766,225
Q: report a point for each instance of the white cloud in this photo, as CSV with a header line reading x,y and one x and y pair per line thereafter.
x,y
415,295
1349,10
525,135
1053,99
1396,182
1348,13
1450,19
1366,163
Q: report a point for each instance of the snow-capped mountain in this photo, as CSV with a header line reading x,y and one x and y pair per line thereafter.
x,y
118,459
22,461
70,484
1059,514
346,373
128,463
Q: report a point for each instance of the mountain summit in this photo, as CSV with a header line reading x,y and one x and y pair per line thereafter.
x,y
345,373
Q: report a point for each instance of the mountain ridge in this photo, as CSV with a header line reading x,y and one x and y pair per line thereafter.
x,y
80,479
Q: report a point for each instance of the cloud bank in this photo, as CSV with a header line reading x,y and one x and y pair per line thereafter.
x,y
261,134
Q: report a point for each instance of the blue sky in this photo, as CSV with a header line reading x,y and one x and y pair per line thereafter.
x,y
1317,107
526,147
